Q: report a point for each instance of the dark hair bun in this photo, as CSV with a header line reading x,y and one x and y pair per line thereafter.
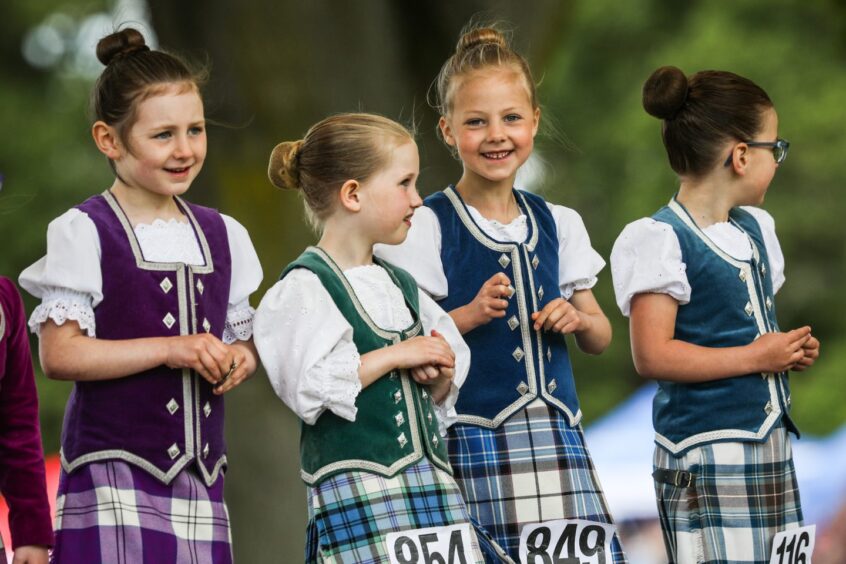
x,y
665,92
480,36
120,43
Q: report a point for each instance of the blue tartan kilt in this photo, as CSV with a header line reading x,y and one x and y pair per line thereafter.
x,y
351,514
743,495
532,468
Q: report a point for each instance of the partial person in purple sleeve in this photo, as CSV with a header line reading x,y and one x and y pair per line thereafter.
x,y
22,479
145,307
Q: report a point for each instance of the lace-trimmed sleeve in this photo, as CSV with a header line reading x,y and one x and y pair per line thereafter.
x,y
578,263
68,278
306,347
246,277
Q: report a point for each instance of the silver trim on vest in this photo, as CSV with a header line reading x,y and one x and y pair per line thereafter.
x,y
169,320
166,285
504,261
172,406
513,322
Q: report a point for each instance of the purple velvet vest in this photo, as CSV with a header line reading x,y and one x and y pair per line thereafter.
x,y
160,419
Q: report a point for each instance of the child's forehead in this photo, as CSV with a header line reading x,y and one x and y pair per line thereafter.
x,y
478,83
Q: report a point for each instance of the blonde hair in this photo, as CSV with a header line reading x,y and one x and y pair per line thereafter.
x,y
479,47
342,147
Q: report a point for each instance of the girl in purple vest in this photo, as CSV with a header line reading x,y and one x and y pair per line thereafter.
x,y
370,364
698,280
145,308
515,273
22,480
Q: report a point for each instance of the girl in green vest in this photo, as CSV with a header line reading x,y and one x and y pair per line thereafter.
x,y
369,363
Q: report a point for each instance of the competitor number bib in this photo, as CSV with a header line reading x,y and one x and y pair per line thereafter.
x,y
794,546
433,545
566,541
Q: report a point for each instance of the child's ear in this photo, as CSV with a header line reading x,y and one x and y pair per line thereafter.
x,y
536,115
446,131
740,158
106,139
350,195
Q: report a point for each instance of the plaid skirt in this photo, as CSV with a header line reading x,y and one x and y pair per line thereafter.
x,y
115,512
351,514
532,468
744,494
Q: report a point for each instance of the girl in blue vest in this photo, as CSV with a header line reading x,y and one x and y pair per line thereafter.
x,y
698,280
369,363
515,273
145,308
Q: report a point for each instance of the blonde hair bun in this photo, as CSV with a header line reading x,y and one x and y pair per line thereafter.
x,y
480,36
284,168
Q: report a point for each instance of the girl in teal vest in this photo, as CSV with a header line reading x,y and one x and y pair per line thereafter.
x,y
698,280
370,364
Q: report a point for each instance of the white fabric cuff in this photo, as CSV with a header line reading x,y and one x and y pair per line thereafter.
x,y
61,306
239,325
336,382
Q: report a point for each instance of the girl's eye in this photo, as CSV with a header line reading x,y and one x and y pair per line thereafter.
x,y
475,122
406,183
196,130
163,135
513,117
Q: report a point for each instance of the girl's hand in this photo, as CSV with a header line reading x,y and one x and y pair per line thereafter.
x,y
490,303
778,352
439,378
30,555
203,353
559,316
811,351
423,351
244,364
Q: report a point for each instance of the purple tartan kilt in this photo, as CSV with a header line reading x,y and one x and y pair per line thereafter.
x,y
117,513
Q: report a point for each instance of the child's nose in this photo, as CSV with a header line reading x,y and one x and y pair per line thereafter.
x,y
183,148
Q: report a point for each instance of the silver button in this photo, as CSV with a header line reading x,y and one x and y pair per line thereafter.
x,y
518,354
540,292
172,406
165,285
513,322
206,451
768,408
435,440
530,248
429,416
535,262
207,409
742,275
522,388
504,260
397,396
399,418
402,440
425,394
769,303
748,309
552,386
169,320
763,269
549,354
206,325
173,451
788,400
200,287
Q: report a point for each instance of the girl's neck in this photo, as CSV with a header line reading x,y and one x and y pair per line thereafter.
x,y
144,206
494,200
346,245
707,201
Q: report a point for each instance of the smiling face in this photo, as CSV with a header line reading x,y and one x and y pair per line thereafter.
x,y
492,124
166,145
389,197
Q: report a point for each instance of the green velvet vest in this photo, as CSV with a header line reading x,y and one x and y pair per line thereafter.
x,y
396,423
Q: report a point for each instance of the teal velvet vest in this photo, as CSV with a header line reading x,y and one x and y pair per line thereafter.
x,y
396,423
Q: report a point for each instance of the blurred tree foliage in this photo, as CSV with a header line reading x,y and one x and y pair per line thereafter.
x,y
279,66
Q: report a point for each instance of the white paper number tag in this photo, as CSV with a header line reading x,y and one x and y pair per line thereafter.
x,y
794,546
566,541
434,545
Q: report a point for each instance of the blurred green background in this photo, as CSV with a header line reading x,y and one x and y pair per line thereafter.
x,y
278,66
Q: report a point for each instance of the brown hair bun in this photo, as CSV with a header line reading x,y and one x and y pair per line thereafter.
x,y
480,36
120,43
284,168
665,92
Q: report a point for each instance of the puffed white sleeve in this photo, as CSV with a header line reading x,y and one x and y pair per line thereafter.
x,y
68,278
245,279
306,347
578,262
767,223
420,253
432,316
646,258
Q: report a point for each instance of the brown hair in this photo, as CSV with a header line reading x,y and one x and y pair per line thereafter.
x,y
133,73
479,48
339,148
701,113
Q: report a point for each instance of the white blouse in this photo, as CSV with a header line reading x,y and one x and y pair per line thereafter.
x,y
647,258
307,349
420,253
69,281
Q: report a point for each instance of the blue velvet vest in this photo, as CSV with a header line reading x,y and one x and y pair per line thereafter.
x,y
512,363
161,419
731,304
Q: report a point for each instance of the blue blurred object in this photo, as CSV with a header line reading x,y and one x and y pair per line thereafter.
x,y
621,445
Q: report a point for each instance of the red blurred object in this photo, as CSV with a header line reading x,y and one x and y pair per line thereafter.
x,y
53,466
